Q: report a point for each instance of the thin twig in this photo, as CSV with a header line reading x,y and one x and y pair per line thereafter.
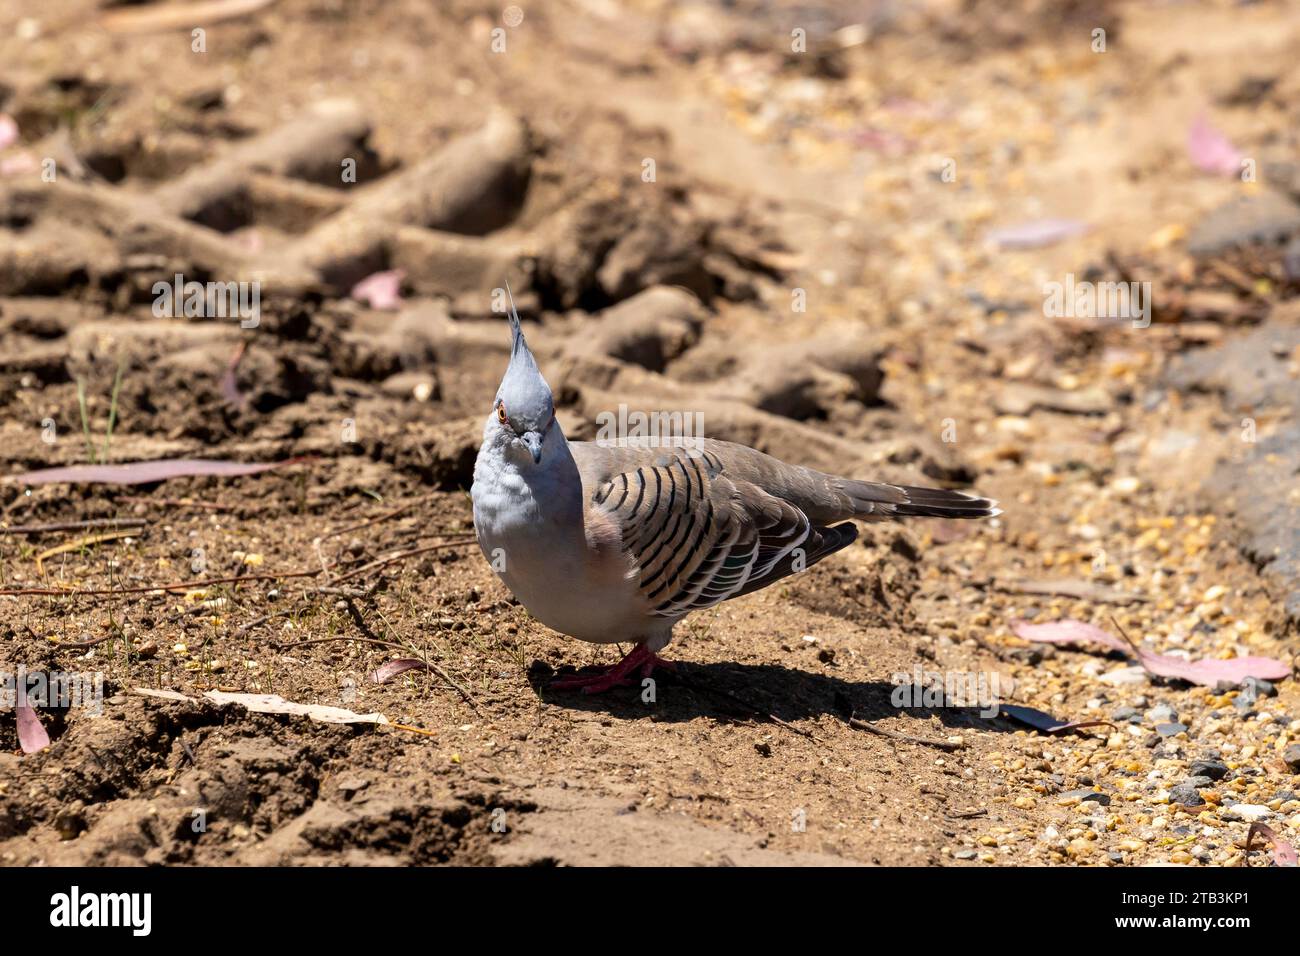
x,y
414,730
175,502
74,525
756,711
85,645
244,629
146,589
356,595
289,645
871,728
84,542
367,524
400,556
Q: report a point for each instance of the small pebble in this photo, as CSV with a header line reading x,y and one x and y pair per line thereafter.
x,y
1291,756
1250,812
1162,714
1208,767
1083,796
1170,730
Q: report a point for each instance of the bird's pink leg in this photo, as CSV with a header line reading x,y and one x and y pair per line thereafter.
x,y
618,675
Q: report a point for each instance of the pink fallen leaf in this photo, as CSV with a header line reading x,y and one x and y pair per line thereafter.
x,y
8,131
229,385
1068,632
879,140
146,472
250,240
1210,672
1210,150
1036,233
17,163
1284,854
397,667
381,290
31,735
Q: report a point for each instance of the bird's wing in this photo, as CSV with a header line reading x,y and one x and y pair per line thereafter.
x,y
696,536
826,499
716,520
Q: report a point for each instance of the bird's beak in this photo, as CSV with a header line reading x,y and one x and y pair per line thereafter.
x,y
534,442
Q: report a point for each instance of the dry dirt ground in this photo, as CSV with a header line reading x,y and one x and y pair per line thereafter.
x,y
693,216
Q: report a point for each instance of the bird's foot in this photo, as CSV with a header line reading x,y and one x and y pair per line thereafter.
x,y
618,675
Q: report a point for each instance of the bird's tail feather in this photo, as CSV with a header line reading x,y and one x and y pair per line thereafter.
x,y
872,499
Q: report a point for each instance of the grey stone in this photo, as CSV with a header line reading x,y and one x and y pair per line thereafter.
x,y
1162,714
1292,757
1209,768
1263,217
1089,796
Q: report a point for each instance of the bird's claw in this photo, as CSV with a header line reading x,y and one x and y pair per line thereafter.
x,y
619,675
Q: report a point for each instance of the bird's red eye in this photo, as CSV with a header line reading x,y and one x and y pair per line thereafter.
x,y
501,413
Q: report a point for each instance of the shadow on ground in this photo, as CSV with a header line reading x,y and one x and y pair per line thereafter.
x,y
731,691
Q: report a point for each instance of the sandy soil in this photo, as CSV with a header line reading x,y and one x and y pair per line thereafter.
x,y
809,268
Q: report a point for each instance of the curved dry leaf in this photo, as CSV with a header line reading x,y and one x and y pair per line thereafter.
x,y
1211,151
1036,233
1284,854
1045,722
1068,632
381,290
31,735
1210,672
147,472
275,704
397,667
229,384
8,131
178,16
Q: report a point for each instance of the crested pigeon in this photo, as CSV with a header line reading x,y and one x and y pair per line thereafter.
x,y
616,543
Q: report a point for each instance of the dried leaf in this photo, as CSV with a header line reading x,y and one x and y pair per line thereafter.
x,y
31,735
146,472
229,385
8,131
382,290
397,667
157,694
1076,588
176,16
17,164
1210,672
1284,854
1046,722
275,704
1210,150
83,543
1068,632
1036,233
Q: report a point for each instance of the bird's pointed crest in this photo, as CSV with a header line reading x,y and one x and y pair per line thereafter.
x,y
523,389
516,330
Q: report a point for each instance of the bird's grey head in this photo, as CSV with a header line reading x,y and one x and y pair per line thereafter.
x,y
524,411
